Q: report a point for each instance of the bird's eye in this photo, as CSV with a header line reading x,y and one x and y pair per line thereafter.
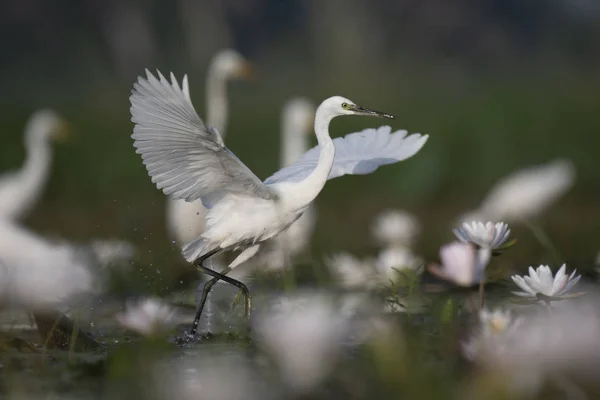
x,y
345,106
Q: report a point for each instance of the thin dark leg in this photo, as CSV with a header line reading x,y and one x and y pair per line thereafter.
x,y
217,276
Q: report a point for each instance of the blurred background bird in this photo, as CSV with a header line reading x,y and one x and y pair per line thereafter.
x,y
20,190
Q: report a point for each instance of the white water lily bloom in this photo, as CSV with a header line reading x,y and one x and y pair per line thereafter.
x,y
351,272
462,264
543,346
391,261
541,281
527,193
496,329
488,235
396,227
147,316
304,335
223,376
498,322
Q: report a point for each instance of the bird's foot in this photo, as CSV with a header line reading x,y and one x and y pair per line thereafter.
x,y
188,338
238,298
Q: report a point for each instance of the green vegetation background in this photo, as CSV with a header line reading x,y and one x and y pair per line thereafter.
x,y
488,112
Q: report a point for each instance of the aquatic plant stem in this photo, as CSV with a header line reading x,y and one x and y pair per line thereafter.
x,y
544,240
481,293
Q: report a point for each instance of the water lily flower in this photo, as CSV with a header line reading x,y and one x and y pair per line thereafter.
x,y
496,328
147,316
352,273
392,261
498,321
541,285
396,228
462,264
222,376
541,347
303,334
488,236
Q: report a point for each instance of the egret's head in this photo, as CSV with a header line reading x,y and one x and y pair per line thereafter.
x,y
299,112
46,125
338,105
232,65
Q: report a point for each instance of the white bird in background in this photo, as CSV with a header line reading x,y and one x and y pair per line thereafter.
x,y
38,274
185,220
21,189
526,193
188,160
296,123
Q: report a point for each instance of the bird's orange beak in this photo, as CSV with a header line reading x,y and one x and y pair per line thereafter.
x,y
247,72
63,131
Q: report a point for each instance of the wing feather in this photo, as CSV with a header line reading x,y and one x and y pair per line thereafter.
x,y
185,158
356,154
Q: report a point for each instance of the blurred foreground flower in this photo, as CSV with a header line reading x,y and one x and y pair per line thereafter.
x,y
396,228
227,376
462,264
541,346
148,316
540,285
487,236
495,329
352,273
527,193
393,261
304,335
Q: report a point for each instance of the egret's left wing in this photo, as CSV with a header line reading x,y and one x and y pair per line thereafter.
x,y
185,158
358,153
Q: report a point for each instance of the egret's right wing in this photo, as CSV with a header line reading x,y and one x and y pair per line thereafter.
x,y
185,158
356,154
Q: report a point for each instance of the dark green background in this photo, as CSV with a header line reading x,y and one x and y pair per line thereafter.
x,y
498,85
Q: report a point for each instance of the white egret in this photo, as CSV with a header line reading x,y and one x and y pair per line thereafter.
x,y
185,220
188,160
20,190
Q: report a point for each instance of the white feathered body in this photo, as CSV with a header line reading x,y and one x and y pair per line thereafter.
x,y
292,242
237,222
185,220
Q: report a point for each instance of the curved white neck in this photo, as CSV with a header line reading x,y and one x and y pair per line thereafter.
x,y
33,175
217,106
294,142
308,189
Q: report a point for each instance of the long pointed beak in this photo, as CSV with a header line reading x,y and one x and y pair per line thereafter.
x,y
365,111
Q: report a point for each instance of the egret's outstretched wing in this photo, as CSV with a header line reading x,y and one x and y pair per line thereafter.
x,y
184,157
357,154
